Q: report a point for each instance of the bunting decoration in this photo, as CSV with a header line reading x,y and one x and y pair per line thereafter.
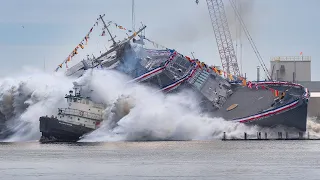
x,y
250,84
120,27
199,64
154,43
244,82
103,33
75,50
275,92
230,77
86,39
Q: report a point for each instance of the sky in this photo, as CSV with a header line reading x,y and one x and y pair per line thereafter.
x,y
41,34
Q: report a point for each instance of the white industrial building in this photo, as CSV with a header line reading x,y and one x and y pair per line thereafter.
x,y
291,68
297,69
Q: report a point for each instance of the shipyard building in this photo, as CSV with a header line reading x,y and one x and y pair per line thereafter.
x,y
297,69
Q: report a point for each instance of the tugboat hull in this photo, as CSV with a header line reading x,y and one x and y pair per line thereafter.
x,y
54,130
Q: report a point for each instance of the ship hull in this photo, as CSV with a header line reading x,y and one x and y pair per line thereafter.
x,y
255,107
295,117
54,130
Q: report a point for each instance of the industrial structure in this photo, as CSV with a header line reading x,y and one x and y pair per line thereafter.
x,y
291,68
297,69
223,37
314,102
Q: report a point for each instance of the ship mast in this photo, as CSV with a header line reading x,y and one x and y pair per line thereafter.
x,y
106,27
133,17
121,43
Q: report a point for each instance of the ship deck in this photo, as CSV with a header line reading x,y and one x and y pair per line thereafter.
x,y
249,102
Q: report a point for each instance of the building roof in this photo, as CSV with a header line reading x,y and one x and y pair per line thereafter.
x,y
291,58
313,86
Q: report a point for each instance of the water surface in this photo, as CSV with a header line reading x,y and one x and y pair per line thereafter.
x,y
161,160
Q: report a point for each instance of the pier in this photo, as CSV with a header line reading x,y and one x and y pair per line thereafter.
x,y
264,136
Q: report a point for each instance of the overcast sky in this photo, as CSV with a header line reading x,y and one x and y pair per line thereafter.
x,y
35,31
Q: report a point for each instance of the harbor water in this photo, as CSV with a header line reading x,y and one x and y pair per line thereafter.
x,y
214,159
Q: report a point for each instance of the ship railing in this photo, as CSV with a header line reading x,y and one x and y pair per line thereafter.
x,y
99,105
291,58
76,112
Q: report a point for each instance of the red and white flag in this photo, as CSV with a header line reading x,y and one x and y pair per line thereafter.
x,y
250,84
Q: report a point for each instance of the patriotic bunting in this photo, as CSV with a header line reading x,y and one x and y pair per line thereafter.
x,y
75,50
199,64
275,92
103,33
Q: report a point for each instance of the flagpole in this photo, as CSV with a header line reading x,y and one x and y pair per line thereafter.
x,y
106,27
133,17
294,74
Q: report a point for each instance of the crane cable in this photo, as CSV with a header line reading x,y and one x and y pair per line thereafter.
x,y
250,40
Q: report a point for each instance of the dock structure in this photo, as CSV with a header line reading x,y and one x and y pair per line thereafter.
x,y
264,136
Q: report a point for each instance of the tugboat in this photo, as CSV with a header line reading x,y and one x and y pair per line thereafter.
x,y
80,117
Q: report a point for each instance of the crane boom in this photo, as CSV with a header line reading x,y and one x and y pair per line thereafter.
x,y
223,37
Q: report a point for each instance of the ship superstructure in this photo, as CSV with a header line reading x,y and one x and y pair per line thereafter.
x,y
80,117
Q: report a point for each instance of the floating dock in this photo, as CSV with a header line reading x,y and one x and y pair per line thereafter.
x,y
264,137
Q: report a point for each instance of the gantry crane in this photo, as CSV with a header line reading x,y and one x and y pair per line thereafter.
x,y
223,36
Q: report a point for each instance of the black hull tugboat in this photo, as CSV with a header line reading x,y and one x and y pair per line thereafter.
x,y
82,116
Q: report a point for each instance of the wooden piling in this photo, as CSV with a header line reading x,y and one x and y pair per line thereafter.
x,y
258,135
301,136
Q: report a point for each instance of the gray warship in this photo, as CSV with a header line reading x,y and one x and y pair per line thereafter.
x,y
231,97
253,103
264,103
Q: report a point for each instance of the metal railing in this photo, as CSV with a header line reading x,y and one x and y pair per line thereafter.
x,y
75,112
291,58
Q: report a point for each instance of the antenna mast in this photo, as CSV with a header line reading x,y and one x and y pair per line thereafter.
x,y
255,49
133,17
106,27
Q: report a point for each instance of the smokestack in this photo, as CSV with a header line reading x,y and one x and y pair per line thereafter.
x,y
258,73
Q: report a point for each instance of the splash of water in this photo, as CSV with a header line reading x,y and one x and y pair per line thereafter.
x,y
134,111
25,98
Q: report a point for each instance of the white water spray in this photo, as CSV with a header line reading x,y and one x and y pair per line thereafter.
x,y
25,98
134,112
